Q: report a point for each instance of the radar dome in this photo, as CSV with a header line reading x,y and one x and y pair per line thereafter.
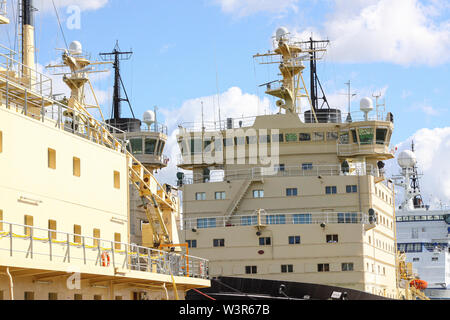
x,y
407,159
366,104
149,117
281,33
75,47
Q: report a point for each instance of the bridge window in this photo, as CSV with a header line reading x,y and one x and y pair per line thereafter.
x,y
277,137
160,147
343,137
331,136
290,137
365,135
305,137
136,145
354,136
150,145
381,135
318,136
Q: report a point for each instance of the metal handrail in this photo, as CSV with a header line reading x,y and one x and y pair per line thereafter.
x,y
135,257
268,172
276,218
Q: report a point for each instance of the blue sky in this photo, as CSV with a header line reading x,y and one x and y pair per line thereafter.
x,y
399,48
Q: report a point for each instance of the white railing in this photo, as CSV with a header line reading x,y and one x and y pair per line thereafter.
x,y
37,244
268,172
276,219
16,97
33,80
246,122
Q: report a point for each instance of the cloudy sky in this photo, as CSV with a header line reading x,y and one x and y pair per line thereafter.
x,y
191,52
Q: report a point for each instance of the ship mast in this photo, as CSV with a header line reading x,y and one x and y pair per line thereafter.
x,y
27,29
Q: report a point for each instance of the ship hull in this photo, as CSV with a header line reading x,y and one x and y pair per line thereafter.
x,y
235,288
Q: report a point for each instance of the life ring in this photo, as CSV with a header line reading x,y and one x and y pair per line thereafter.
x,y
105,259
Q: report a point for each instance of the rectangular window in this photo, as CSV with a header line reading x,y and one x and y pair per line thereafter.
x,y
136,145
332,238
219,242
77,233
52,296
97,297
291,192
332,136
318,136
192,243
150,145
381,135
323,267
220,195
307,166
76,167
347,266
279,167
304,137
1,295
264,241
206,223
77,296
331,190
351,189
348,217
1,219
118,298
96,235
304,218
365,135
277,137
287,268
29,295
276,219
252,140
291,137
294,240
264,139
251,269
52,226
258,193
249,220
117,179
1,142
343,137
51,158
200,196
239,141
28,221
354,136
117,244
228,142
434,259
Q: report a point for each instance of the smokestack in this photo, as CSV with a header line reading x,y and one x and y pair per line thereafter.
x,y
28,48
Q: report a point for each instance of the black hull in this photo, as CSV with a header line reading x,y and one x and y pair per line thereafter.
x,y
232,288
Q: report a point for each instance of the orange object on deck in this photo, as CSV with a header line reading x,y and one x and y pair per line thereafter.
x,y
419,284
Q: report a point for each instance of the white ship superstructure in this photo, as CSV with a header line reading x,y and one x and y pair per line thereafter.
x,y
422,233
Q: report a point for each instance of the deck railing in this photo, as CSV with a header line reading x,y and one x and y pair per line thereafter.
x,y
276,219
37,244
268,172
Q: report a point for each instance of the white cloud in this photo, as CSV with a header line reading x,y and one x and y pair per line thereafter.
x,y
404,32
427,109
432,149
233,104
243,8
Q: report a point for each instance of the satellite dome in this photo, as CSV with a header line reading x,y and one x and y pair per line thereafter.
x,y
366,104
407,159
75,47
281,33
149,117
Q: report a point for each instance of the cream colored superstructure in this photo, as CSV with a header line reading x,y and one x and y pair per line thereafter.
x,y
282,197
64,201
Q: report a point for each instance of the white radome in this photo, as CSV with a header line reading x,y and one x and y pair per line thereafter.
x,y
75,47
149,117
366,104
407,159
281,33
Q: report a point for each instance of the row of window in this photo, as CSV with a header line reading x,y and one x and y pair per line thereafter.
x,y
424,218
290,192
361,136
265,241
289,268
146,146
51,156
421,247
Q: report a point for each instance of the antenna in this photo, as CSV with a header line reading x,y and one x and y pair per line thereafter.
x,y
350,95
116,55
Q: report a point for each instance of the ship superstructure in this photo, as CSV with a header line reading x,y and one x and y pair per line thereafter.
x,y
299,195
64,199
422,233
